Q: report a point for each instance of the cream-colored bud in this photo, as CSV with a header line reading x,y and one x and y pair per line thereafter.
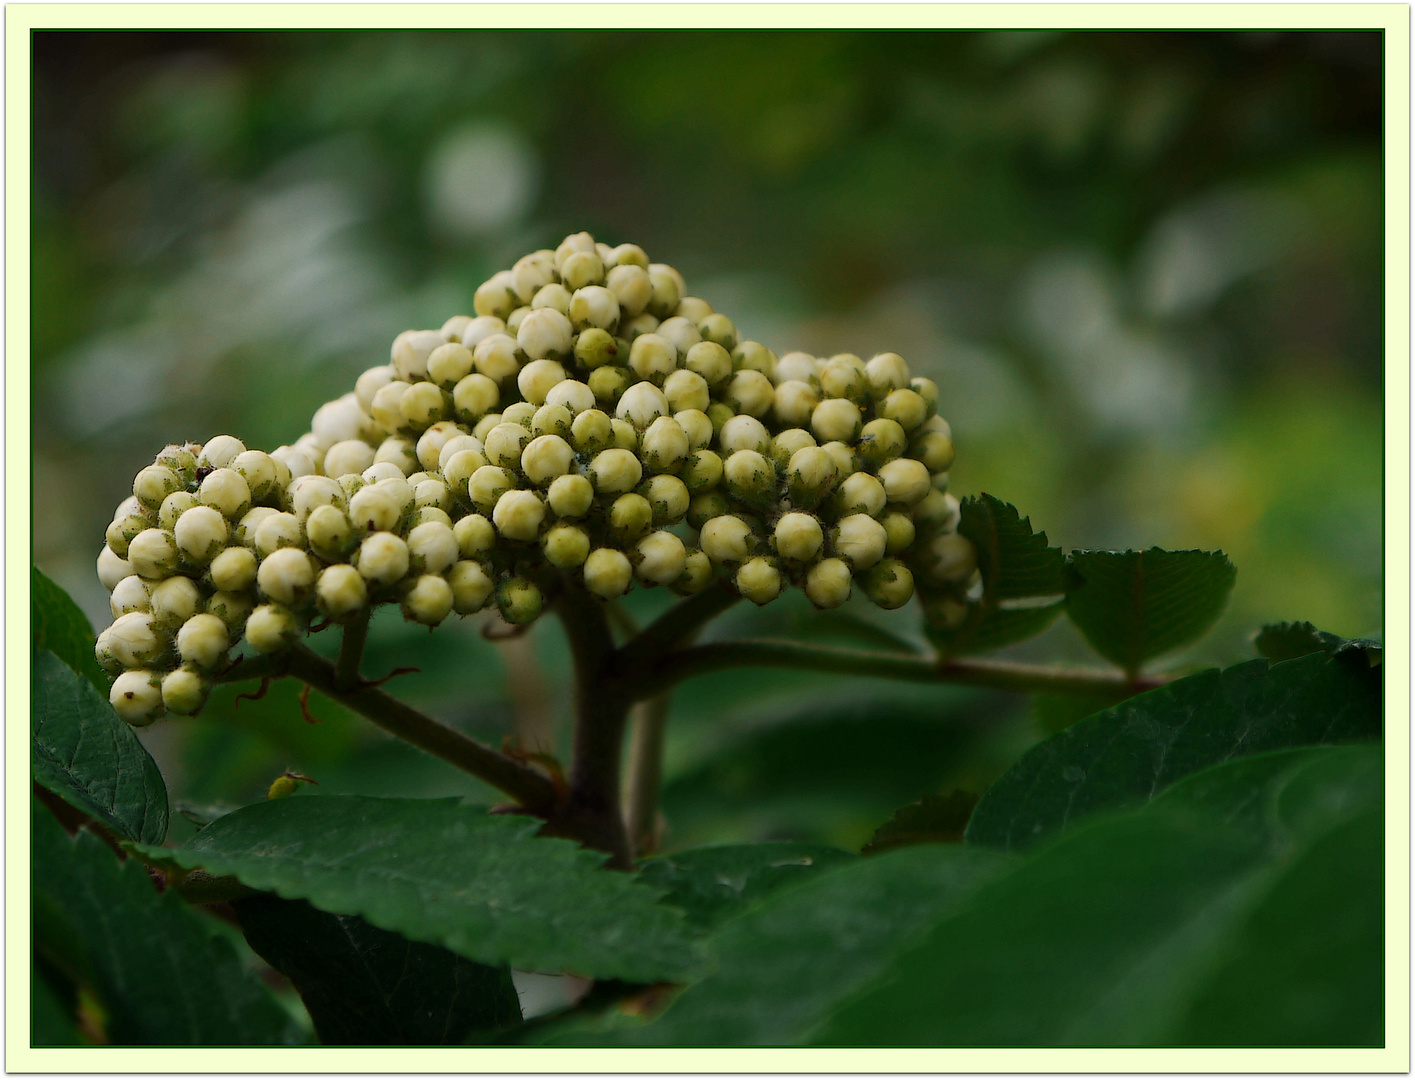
x,y
476,536
888,583
784,445
626,435
531,273
702,471
246,528
430,443
153,553
759,581
428,601
136,639
844,377
227,491
495,357
794,403
136,697
571,395
277,531
551,419
607,573
881,441
538,378
330,533
887,372
695,309
828,583
552,295
754,356
453,328
309,492
352,456
505,443
667,290
423,405
459,469
705,506
717,328
112,569
432,493
795,367
659,558
122,532
411,350
949,559
234,569
286,576
259,471
545,458
566,546
680,333
860,540
203,641
130,594
519,601
898,530
627,255
338,420
401,453
155,483
471,587
514,320
544,334
423,515
653,357
697,427
232,608
270,628
615,470
456,445
296,462
936,512
668,496
642,404
744,433
905,408
581,269
750,392
664,446
697,574
934,449
591,431
383,558
905,481
631,288
518,515
376,473
836,420
594,307
487,485
630,516
798,537
180,459
710,362
860,493
432,548
311,445
387,407
727,539
201,533
570,496
218,453
481,328
594,348
609,383
749,476
496,296
174,601
483,426
631,329
370,383
686,390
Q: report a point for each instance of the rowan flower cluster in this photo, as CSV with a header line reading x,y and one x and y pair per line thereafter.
x,y
591,420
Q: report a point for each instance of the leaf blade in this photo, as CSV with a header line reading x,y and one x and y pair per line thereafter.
x,y
59,625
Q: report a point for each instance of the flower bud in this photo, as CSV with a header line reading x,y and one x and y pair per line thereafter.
x,y
234,569
429,445
423,405
749,477
936,512
546,458
653,357
614,470
271,628
680,333
880,441
697,574
310,492
518,515
836,420
487,485
860,540
697,427
202,641
330,533
112,569
259,471
538,378
454,327
428,601
594,307
387,407
227,491
481,328
531,273
798,537
495,357
844,377
232,608
703,507
135,640
785,444
424,515
888,583
180,459
286,576
432,493
155,483
686,390
201,533
794,402
483,427
754,356
248,525
887,372
122,532
570,496
898,531
934,449
797,367
432,548
471,587
607,573
174,601
627,255
664,446
609,384
519,601
581,269
514,320
948,559
571,395
668,496
495,296
474,396
631,287
905,407
928,390
626,435
718,329
153,553
277,531
352,456
693,308
552,295
744,433
702,471
660,558
296,462
749,392
727,539
759,581
594,348
828,583
451,448
504,444
591,432
136,697
630,516
335,421
846,460
905,481
130,594
370,383
860,493
631,329
810,476
219,452
382,558
544,334
400,453
666,284
411,350
710,362
476,536
566,546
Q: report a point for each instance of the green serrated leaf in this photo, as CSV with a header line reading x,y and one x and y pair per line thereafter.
x,y
1289,640
1135,605
51,1016
934,819
713,884
161,976
1152,927
365,986
434,870
1024,580
1128,754
58,624
85,754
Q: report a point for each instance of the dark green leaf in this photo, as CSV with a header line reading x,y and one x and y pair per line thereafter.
x,y
1134,605
713,884
1057,712
57,624
85,754
365,986
934,819
1289,640
434,870
51,1012
1202,919
1024,580
161,976
1126,755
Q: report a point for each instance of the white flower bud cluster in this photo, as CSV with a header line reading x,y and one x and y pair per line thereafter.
x,y
590,419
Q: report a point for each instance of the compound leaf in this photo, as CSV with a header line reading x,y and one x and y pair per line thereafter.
x,y
1134,605
365,986
58,624
161,976
1289,640
1128,754
484,886
85,754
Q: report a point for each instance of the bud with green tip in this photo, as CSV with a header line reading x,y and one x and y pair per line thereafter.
x,y
155,483
476,536
180,459
565,546
693,308
423,405
641,405
519,601
474,396
749,477
136,697
232,608
936,512
702,471
594,307
375,508
905,407
888,583
226,490
496,358
487,485
665,282
880,441
785,444
759,580
626,435
668,496
631,287
610,384
340,591
749,392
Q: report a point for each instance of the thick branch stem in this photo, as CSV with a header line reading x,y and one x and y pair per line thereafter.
x,y
994,674
676,626
646,774
351,650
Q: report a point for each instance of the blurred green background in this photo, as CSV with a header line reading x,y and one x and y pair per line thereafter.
x,y
1144,268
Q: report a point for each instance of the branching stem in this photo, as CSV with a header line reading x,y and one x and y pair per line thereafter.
x,y
351,650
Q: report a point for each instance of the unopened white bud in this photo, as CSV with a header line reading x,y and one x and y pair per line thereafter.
x,y
660,558
495,357
232,608
432,548
220,451
531,273
888,583
378,472
173,507
423,405
936,512
949,559
630,516
519,601
330,533
135,639
227,491
248,525
566,546
846,460
155,483
702,471
750,392
836,419
591,431
697,574
727,539
934,449
430,443
686,390
449,364
785,443
594,306
382,558
453,328
607,573
794,402
844,377
899,531
495,296
456,445
714,327
428,601
828,583
749,476
487,485
697,427
653,357
905,408
570,496
860,493
340,591
798,537
544,333
310,492
664,446
370,383
278,531
518,515
905,481
860,540
631,288
286,576
234,569
432,492
136,697
576,397
797,367
476,536
398,452
130,594
744,433
553,419
667,290
112,569
471,587
504,444
387,406
474,396
595,348
153,553
481,328
881,441
174,601
380,507
411,350
754,356
296,462
668,496
626,435
886,372
538,378
759,581
581,269
545,458
705,506
270,628
608,384
201,533
810,475
203,641
615,470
